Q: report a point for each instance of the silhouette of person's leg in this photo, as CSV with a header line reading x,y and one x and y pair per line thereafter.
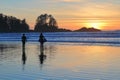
x,y
23,44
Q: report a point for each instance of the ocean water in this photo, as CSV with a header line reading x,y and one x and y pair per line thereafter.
x,y
102,38
66,56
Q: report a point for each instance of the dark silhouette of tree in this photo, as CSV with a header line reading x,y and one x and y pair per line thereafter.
x,y
4,27
12,24
46,23
24,25
52,21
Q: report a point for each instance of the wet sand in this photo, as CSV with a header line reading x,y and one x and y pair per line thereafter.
x,y
59,61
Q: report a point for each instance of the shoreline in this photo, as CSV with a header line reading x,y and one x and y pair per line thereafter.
x,y
61,43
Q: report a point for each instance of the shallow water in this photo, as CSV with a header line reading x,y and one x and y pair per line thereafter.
x,y
63,61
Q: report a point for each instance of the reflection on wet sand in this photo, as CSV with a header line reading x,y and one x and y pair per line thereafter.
x,y
51,49
66,62
42,56
24,58
6,47
1,48
6,51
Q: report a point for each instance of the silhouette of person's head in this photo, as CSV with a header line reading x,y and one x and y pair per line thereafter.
x,y
23,34
41,34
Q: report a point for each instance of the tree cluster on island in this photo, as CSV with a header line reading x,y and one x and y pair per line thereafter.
x,y
47,23
44,23
12,24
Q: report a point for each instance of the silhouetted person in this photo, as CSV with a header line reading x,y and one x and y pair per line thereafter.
x,y
24,39
42,39
24,58
42,56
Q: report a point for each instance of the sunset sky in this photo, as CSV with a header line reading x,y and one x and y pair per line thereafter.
x,y
70,14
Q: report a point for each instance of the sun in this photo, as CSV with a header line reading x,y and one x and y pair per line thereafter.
x,y
97,25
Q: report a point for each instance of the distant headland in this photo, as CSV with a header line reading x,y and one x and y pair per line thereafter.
x,y
44,23
84,29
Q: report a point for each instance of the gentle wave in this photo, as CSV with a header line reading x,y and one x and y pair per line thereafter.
x,y
74,37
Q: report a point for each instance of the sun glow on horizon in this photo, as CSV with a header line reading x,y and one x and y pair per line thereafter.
x,y
97,25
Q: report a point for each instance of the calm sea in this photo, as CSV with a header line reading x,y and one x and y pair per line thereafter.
x,y
101,38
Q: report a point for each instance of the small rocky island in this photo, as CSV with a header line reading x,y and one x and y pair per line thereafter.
x,y
84,29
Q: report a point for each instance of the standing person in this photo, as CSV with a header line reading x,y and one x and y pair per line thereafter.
x,y
24,39
42,39
42,56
